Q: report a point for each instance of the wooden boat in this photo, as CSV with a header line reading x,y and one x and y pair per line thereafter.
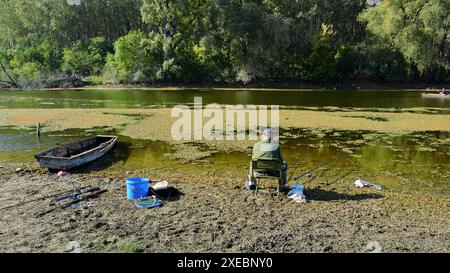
x,y
435,95
72,155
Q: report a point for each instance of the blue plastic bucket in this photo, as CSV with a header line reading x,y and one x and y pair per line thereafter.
x,y
137,187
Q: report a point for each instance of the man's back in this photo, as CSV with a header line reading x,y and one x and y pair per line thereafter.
x,y
266,150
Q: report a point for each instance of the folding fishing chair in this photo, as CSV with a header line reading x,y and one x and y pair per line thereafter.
x,y
268,168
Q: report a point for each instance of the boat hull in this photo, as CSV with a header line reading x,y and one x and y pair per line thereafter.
x,y
76,154
431,95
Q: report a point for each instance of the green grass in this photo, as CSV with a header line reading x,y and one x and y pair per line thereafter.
x,y
94,80
128,247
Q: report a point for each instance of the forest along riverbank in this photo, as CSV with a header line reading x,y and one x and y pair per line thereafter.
x,y
214,213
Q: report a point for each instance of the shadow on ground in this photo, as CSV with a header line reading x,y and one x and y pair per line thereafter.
x,y
322,195
169,194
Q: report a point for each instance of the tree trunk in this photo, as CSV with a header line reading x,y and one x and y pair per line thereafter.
x,y
11,80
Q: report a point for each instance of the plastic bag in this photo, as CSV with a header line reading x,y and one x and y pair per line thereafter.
x,y
296,193
361,184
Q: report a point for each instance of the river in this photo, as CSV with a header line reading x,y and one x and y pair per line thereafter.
x,y
414,162
145,98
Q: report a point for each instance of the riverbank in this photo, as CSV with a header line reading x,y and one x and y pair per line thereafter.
x,y
419,87
214,214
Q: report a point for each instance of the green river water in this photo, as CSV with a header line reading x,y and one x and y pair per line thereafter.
x,y
415,162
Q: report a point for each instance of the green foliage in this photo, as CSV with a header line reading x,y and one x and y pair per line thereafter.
x,y
46,54
137,53
98,49
76,60
85,59
190,65
372,61
129,52
416,28
6,71
29,74
320,63
346,60
111,72
380,62
142,41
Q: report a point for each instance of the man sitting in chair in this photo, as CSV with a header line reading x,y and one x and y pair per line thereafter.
x,y
266,149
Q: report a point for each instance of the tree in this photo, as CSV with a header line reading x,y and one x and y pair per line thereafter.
x,y
419,29
76,60
7,75
320,63
98,49
224,40
174,23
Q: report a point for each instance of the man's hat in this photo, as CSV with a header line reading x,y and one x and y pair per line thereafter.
x,y
268,133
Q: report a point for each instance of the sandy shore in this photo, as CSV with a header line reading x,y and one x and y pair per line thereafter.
x,y
215,214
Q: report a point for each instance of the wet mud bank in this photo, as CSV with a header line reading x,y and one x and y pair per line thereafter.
x,y
212,212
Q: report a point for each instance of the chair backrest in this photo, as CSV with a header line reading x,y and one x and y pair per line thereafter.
x,y
266,164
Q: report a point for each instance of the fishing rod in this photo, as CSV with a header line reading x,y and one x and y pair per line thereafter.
x,y
329,161
294,168
75,195
45,197
318,175
87,195
316,168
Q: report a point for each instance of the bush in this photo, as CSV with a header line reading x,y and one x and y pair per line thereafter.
x,y
86,59
76,60
139,77
29,74
51,55
190,67
111,72
243,75
346,62
139,58
45,54
98,49
378,62
129,54
319,65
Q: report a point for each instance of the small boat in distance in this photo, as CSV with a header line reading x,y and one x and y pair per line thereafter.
x,y
76,154
435,95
